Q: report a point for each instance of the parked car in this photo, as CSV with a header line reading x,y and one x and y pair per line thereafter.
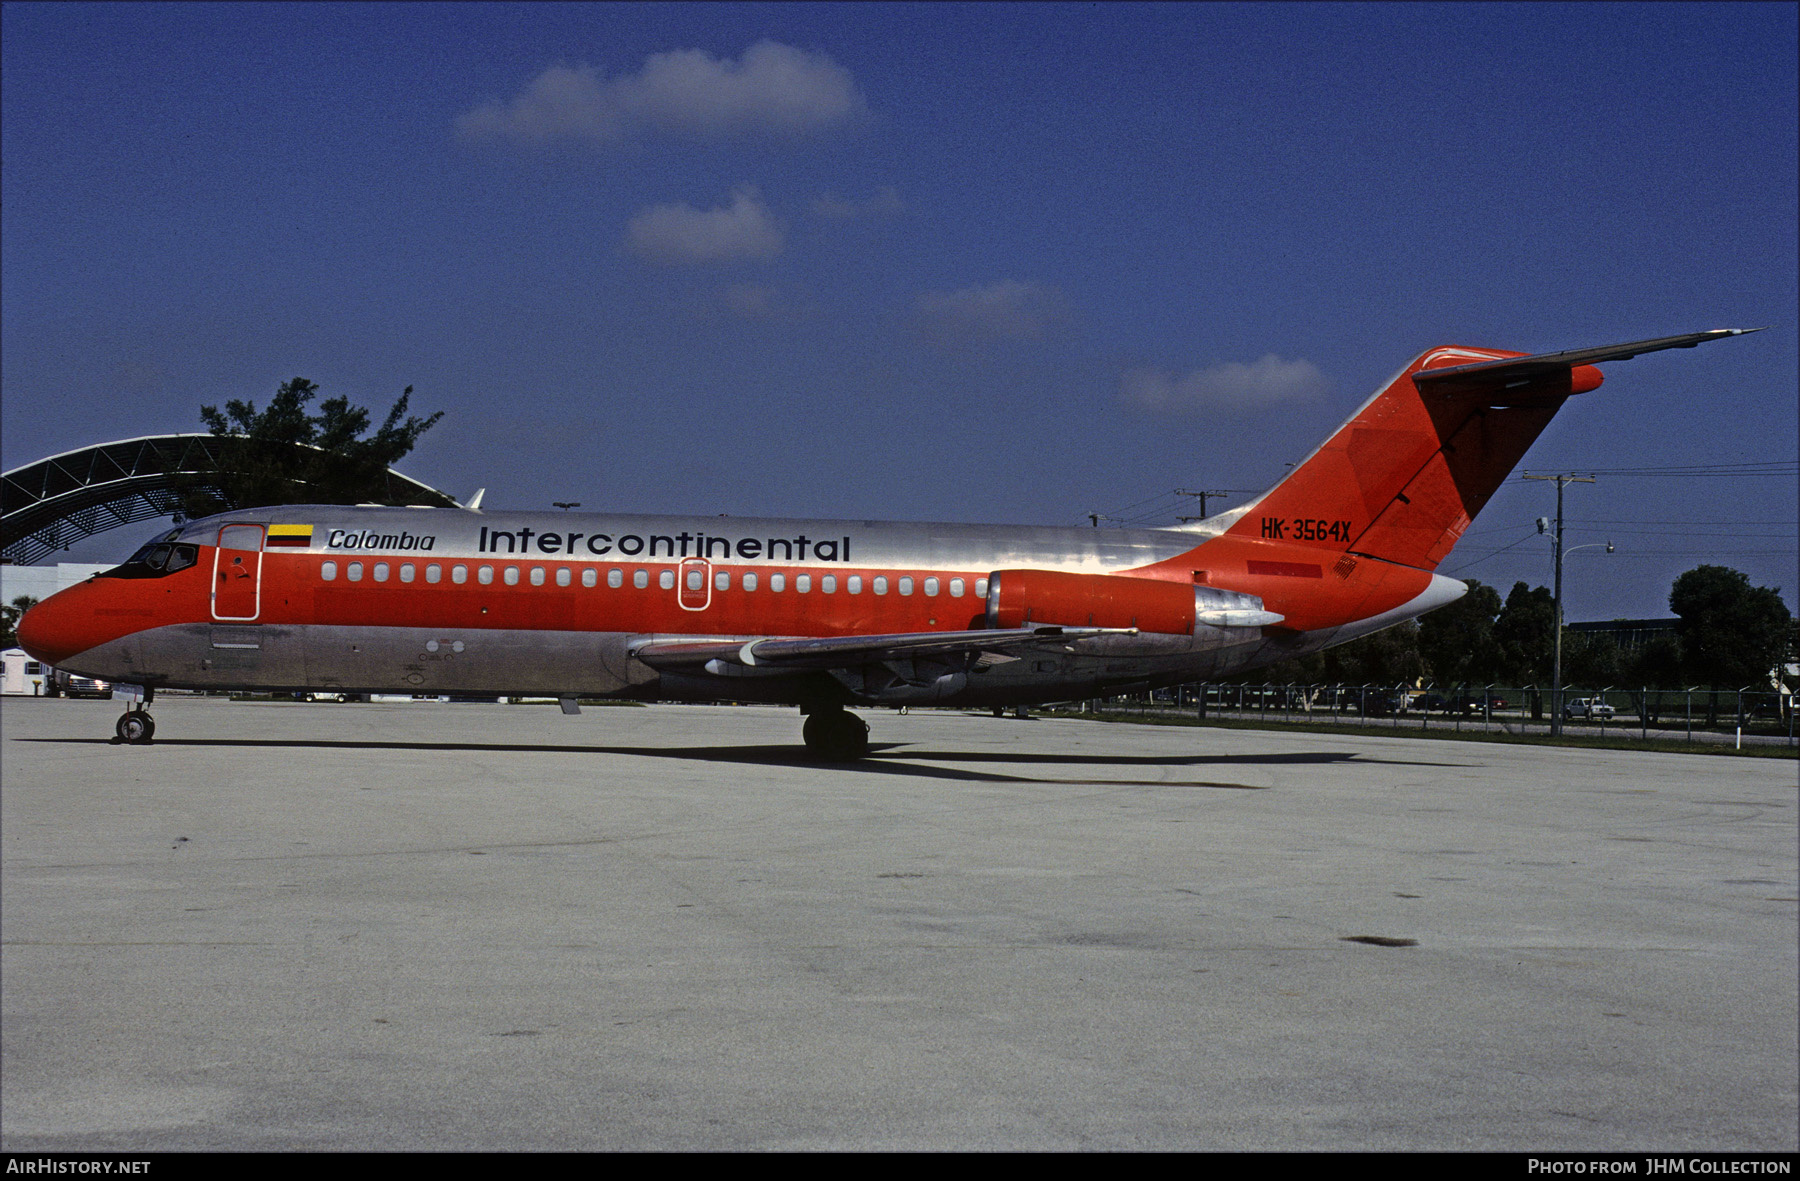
x,y
1587,707
1385,703
74,686
1474,704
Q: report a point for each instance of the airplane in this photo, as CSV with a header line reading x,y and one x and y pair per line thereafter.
x,y
824,614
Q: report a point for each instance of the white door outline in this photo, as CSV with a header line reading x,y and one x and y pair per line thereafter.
x,y
690,597
232,539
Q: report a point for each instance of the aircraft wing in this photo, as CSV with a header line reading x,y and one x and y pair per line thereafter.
x,y
1509,371
804,654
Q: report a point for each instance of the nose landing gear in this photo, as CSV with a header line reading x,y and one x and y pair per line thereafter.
x,y
135,727
835,734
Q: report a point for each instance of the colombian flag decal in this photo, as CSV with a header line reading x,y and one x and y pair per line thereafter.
x,y
290,535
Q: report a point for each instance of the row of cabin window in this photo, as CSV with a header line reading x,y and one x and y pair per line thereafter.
x,y
615,577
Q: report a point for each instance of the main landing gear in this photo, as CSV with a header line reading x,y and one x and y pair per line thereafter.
x,y
835,734
135,727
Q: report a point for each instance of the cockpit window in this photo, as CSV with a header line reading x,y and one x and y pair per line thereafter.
x,y
162,556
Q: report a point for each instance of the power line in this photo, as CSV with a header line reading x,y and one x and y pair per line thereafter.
x,y
1772,467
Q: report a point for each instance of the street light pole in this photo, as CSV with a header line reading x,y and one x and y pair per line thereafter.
x,y
1556,549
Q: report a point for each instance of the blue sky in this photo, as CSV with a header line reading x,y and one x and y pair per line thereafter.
x,y
940,262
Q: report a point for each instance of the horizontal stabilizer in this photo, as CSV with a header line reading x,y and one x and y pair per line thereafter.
x,y
1487,375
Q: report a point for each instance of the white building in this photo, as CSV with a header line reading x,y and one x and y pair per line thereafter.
x,y
40,582
20,675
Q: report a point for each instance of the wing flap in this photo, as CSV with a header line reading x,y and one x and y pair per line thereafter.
x,y
805,654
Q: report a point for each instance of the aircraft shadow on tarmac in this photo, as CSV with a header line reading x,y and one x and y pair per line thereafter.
x,y
883,759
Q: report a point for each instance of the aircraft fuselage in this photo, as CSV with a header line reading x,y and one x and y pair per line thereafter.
x,y
445,601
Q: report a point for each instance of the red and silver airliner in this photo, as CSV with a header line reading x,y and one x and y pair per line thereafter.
x,y
825,614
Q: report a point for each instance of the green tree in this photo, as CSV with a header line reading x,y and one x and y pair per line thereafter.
x,y
1457,642
285,454
1592,659
1523,634
1732,634
1657,665
9,620
1387,657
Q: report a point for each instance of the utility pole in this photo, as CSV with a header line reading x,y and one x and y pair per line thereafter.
x,y
1203,495
1556,549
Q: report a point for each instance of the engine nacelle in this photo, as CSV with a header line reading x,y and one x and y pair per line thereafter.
x,y
1023,598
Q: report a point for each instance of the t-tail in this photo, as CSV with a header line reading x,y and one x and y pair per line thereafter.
x,y
1402,479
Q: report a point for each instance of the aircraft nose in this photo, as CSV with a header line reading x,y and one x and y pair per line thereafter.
x,y
51,631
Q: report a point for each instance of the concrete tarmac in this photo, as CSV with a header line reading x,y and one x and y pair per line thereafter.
x,y
424,926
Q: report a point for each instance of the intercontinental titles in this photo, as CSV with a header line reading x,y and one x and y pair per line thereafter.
x,y
799,548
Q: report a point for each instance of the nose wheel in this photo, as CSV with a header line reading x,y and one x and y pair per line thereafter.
x,y
135,727
836,735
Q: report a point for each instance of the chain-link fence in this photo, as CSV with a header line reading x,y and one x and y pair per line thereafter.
x,y
1698,715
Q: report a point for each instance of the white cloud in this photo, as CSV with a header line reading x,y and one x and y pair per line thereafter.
x,y
772,89
885,203
1230,386
753,301
680,235
1007,310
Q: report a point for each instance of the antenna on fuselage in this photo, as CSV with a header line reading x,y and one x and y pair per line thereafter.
x,y
473,504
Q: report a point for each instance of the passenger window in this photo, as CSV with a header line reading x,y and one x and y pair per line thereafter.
x,y
641,579
906,586
563,576
803,583
459,574
434,573
956,588
590,577
666,580
510,576
828,584
855,587
355,572
537,576
880,585
328,571
406,572
485,575
721,581
749,582
777,582
381,571
615,577
981,588
695,580
931,587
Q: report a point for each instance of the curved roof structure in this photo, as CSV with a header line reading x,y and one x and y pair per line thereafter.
x,y
49,505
